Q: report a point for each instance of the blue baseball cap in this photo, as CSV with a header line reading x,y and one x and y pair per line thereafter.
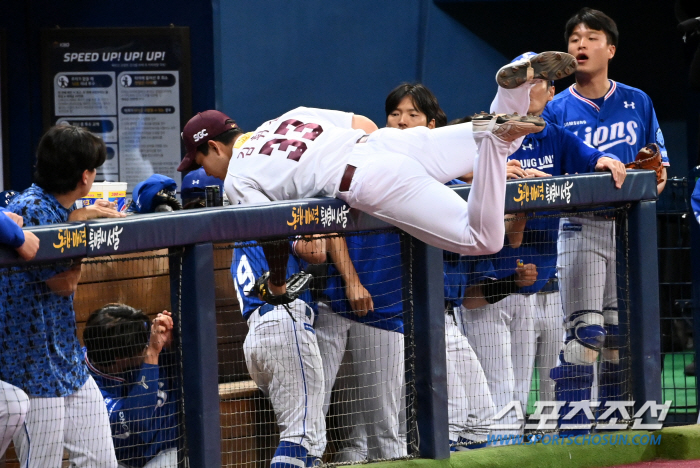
x,y
195,182
146,191
6,197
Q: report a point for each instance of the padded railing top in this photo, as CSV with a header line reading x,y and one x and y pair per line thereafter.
x,y
316,215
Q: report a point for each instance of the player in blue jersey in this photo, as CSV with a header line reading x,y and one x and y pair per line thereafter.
x,y
14,403
533,322
282,355
618,119
130,359
40,351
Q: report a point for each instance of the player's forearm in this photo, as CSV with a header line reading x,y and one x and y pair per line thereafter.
x,y
338,250
515,229
474,298
660,187
312,250
66,283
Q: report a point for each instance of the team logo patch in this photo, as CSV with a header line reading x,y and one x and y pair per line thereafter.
x,y
660,138
571,227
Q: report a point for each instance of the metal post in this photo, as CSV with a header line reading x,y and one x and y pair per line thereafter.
x,y
199,356
645,339
431,365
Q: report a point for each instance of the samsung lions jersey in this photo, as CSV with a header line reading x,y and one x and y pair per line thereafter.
x,y
621,123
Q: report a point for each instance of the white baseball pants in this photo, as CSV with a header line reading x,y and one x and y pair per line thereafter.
x,y
283,359
549,333
14,404
78,422
586,264
502,335
400,179
378,365
165,459
508,101
469,403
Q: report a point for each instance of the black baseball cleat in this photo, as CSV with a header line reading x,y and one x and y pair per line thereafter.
x,y
507,127
544,66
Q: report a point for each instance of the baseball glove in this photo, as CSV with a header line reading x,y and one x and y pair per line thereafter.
x,y
649,158
296,284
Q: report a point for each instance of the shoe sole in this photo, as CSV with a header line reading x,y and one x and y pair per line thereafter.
x,y
510,126
512,118
545,66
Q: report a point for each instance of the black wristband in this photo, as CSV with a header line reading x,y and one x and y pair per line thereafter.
x,y
496,291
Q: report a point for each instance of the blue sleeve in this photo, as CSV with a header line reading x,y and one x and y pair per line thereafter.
x,y
549,114
695,201
655,135
248,265
133,417
578,156
10,234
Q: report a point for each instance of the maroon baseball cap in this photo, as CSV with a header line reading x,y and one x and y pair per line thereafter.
x,y
201,128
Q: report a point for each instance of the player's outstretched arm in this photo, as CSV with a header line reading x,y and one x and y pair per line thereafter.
x,y
360,299
360,122
101,209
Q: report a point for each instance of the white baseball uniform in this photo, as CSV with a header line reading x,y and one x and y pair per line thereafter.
x,y
284,361
469,403
399,174
282,354
14,404
77,422
503,339
548,326
378,366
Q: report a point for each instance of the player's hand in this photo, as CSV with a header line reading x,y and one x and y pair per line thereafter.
x,y
615,167
536,173
30,247
514,170
525,275
101,209
360,299
161,336
19,221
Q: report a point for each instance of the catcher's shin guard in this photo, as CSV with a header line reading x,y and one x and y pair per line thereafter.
x,y
585,336
572,383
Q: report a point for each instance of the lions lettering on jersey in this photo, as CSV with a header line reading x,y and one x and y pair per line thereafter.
x,y
621,123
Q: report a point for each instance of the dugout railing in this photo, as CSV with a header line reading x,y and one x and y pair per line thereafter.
x,y
191,235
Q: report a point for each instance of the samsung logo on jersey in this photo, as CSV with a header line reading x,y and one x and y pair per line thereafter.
x,y
606,137
575,122
538,163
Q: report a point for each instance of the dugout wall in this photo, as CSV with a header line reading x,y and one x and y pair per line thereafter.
x,y
190,287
